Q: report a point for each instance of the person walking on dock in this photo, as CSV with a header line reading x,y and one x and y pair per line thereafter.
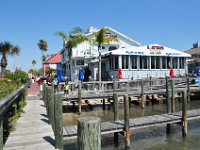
x,y
66,89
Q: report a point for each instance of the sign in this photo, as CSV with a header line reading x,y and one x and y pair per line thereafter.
x,y
134,53
108,34
157,47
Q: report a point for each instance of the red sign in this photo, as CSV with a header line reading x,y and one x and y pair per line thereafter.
x,y
155,47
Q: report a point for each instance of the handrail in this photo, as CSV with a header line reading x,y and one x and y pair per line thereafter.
x,y
7,101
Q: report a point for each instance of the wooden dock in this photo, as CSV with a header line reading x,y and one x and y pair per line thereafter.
x,y
32,130
70,132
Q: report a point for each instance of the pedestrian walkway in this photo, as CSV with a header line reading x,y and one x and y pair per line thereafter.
x,y
32,130
34,89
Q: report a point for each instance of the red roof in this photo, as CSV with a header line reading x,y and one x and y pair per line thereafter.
x,y
53,59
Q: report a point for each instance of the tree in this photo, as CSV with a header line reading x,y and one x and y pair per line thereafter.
x,y
43,47
49,71
101,39
63,36
6,48
33,63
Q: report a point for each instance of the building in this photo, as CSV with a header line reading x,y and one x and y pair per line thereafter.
x,y
195,54
136,61
54,62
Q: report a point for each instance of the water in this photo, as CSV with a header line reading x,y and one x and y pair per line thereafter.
x,y
153,138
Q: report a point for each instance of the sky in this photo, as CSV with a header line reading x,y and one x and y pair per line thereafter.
x,y
172,23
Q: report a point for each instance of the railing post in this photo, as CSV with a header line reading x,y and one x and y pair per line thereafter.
x,y
168,102
1,132
184,114
126,122
173,104
58,121
79,97
89,133
116,116
142,94
188,88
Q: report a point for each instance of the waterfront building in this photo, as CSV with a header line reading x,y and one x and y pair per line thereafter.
x,y
53,61
135,61
195,57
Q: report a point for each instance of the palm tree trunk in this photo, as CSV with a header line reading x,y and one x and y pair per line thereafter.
x,y
3,65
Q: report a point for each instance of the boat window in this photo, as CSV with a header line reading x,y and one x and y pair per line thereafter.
x,y
80,62
164,62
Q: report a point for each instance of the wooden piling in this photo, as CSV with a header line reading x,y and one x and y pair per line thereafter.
x,y
173,104
114,86
184,114
188,88
89,133
116,116
104,105
1,132
126,122
51,108
142,94
58,121
48,102
168,102
79,97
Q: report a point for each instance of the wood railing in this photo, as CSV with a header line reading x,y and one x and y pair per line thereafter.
x,y
7,110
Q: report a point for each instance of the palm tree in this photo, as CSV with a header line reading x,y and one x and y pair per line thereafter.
x,y
33,63
43,47
49,71
6,48
100,40
63,36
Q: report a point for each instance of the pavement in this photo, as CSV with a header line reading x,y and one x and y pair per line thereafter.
x,y
34,89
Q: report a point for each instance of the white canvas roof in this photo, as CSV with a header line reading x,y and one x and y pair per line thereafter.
x,y
149,50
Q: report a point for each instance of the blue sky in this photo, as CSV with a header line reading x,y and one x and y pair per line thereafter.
x,y
172,23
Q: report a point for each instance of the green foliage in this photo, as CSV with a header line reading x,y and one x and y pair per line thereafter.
x,y
18,76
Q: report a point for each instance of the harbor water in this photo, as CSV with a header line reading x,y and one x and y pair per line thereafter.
x,y
153,138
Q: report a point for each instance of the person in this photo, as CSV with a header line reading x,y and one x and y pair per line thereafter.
x,y
66,89
55,84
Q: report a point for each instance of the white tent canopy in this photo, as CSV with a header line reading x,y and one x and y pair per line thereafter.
x,y
149,50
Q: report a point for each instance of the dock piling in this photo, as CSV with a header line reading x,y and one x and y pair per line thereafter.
x,y
89,133
168,102
142,94
184,114
116,116
173,104
126,122
1,132
79,97
58,121
188,88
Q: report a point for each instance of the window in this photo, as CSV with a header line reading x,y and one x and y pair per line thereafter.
x,y
116,62
125,62
133,62
112,48
155,62
175,62
80,62
144,62
181,63
111,63
164,62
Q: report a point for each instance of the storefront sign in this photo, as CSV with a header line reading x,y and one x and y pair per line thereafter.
x,y
134,53
172,54
155,47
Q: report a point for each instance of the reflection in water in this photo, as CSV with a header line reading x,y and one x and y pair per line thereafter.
x,y
153,138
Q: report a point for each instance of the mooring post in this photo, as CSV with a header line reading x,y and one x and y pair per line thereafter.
x,y
114,86
79,97
168,102
184,114
104,105
89,133
126,122
188,88
44,93
142,94
116,116
173,104
1,132
48,90
58,121
51,108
